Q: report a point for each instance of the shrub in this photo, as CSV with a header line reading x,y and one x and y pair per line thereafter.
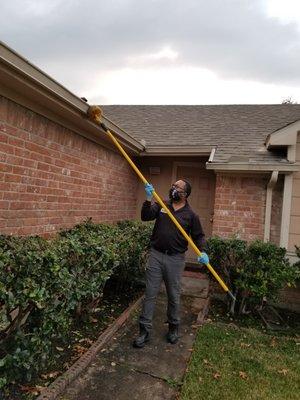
x,y
254,272
266,271
228,257
46,284
133,243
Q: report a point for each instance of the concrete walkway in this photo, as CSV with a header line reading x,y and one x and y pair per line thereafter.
x,y
155,372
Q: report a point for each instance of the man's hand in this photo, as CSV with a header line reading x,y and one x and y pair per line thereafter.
x,y
203,258
149,189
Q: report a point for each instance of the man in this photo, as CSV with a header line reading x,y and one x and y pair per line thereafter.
x,y
167,255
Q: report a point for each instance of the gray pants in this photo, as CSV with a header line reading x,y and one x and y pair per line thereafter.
x,y
168,268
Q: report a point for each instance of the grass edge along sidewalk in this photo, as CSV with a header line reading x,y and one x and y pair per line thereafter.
x,y
230,362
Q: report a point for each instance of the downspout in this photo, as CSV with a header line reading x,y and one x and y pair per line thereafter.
x,y
270,186
287,200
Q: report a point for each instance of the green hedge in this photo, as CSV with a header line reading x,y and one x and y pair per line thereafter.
x,y
254,272
46,284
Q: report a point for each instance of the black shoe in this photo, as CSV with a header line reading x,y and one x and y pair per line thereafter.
x,y
143,337
173,336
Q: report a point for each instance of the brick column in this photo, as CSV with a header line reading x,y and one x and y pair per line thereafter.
x,y
240,206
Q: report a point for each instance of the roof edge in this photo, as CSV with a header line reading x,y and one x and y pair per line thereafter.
x,y
177,151
28,85
262,167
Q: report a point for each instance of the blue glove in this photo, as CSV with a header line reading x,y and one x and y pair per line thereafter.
x,y
149,189
203,258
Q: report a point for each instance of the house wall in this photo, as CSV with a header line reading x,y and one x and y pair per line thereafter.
x,y
160,181
239,200
194,170
294,235
240,206
164,179
52,178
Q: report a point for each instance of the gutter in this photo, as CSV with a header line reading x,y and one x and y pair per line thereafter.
x,y
173,151
251,167
27,85
271,184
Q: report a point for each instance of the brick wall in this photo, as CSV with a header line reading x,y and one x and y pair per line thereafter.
x,y
290,298
51,177
239,206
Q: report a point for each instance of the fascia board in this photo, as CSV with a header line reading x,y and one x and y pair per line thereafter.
x,y
286,136
204,151
23,67
246,167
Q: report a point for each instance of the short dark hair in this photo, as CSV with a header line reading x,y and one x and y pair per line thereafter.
x,y
188,187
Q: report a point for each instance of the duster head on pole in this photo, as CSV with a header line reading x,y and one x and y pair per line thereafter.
x,y
95,114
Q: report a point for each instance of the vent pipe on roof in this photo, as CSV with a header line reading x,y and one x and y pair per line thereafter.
x,y
212,154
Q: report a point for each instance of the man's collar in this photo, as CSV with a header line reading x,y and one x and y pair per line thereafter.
x,y
170,203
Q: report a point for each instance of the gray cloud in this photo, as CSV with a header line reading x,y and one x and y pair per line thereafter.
x,y
73,39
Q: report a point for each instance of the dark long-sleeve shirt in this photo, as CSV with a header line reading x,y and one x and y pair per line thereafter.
x,y
165,235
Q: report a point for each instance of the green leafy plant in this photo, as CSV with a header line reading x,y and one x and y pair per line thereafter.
x,y
46,284
254,272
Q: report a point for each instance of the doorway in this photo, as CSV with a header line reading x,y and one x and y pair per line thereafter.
x,y
202,198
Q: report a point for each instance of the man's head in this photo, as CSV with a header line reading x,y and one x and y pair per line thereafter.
x,y
180,190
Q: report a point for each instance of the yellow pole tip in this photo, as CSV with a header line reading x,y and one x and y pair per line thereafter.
x,y
94,114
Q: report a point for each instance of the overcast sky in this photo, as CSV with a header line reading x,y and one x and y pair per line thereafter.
x,y
162,51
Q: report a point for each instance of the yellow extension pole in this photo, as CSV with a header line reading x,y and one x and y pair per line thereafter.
x,y
161,203
94,114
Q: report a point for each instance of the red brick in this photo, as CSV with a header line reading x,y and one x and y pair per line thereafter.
x,y
239,203
3,137
27,230
29,163
34,148
12,178
11,196
7,149
4,204
16,142
14,223
12,160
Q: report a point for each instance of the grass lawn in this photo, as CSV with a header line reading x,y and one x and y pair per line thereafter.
x,y
231,361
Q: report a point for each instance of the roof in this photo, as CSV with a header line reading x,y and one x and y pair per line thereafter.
x,y
237,131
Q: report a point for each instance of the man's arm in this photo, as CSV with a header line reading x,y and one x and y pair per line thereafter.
x,y
197,233
149,211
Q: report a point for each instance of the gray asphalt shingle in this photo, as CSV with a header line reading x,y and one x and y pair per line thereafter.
x,y
236,130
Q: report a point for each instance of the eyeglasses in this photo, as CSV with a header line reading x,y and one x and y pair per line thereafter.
x,y
179,189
